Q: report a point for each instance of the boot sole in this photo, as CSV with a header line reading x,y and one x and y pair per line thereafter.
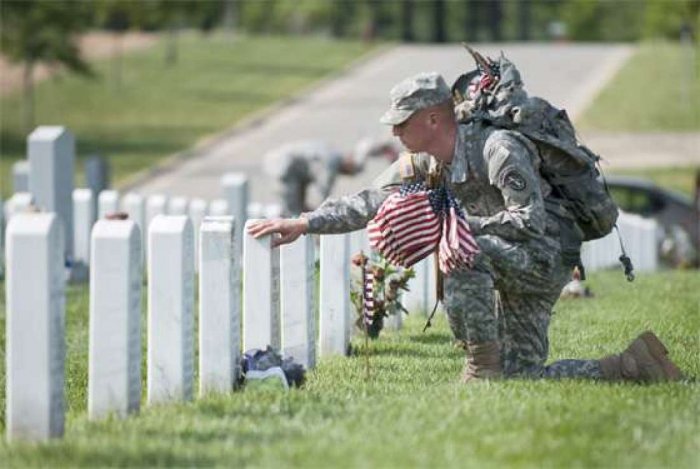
x,y
659,352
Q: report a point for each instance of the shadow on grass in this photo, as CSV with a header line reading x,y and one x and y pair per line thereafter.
x,y
428,337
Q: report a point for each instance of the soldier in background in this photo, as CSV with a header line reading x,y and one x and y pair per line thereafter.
x,y
305,171
499,311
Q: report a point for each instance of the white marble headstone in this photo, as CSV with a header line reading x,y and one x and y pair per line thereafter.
x,y
20,176
20,202
35,349
170,309
197,211
261,317
416,298
114,370
297,301
107,203
51,154
178,206
84,218
218,208
219,307
335,317
156,204
134,205
235,189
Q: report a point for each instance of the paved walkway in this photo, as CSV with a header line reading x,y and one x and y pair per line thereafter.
x,y
347,108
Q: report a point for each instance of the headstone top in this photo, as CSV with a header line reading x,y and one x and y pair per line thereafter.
x,y
48,132
37,223
169,223
217,223
82,194
108,228
133,197
198,204
234,178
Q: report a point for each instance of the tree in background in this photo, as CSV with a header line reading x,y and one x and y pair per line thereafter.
x,y
117,16
35,32
407,32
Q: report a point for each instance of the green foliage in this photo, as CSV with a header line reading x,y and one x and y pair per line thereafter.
x,y
39,31
411,410
388,283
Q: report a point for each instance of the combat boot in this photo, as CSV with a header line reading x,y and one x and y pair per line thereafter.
x,y
483,361
645,360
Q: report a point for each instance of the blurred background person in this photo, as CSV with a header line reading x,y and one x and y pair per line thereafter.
x,y
305,171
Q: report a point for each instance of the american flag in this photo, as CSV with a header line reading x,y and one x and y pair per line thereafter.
x,y
458,247
407,227
368,297
415,221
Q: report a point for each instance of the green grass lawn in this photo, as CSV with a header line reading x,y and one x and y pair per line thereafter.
x,y
656,90
411,410
159,110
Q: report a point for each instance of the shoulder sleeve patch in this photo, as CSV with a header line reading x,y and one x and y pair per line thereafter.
x,y
513,179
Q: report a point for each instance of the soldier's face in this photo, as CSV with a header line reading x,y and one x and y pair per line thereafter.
x,y
416,133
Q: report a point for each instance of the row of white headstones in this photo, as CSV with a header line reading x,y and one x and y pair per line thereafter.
x,y
276,293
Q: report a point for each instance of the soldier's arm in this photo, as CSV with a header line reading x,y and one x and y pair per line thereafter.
x,y
511,169
353,212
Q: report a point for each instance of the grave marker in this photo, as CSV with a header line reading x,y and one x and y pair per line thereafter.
x,y
114,378
35,349
219,208
170,309
108,203
297,301
197,212
235,186
134,205
261,320
51,154
20,176
219,307
84,219
334,324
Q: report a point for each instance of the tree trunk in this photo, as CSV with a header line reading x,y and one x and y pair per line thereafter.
x,y
495,19
439,30
171,47
229,17
407,33
472,32
524,19
28,94
117,61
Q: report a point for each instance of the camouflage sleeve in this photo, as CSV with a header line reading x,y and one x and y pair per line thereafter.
x,y
353,212
512,170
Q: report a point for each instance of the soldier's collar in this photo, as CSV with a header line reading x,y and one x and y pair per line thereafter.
x,y
460,164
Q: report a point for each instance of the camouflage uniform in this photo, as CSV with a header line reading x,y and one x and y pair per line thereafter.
x,y
304,172
508,296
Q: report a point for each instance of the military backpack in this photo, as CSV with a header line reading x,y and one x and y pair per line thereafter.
x,y
494,94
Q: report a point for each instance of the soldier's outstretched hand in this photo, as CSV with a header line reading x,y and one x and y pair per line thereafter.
x,y
288,229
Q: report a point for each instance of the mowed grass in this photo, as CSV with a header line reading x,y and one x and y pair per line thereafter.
x,y
658,89
399,403
159,110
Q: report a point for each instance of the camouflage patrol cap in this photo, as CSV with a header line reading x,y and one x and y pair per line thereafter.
x,y
413,94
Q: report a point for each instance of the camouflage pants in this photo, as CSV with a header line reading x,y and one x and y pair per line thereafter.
x,y
508,297
291,192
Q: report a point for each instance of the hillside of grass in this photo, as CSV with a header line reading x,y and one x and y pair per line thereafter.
x,y
156,110
657,90
398,402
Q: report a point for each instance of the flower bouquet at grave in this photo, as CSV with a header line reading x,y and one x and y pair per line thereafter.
x,y
375,292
